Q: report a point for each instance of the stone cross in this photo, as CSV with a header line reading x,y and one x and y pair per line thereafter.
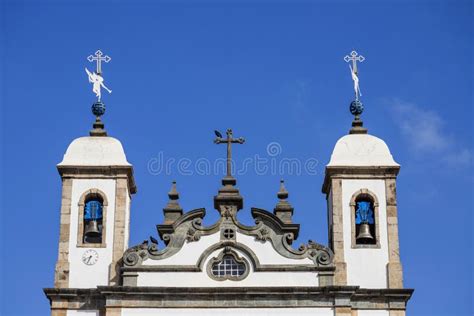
x,y
229,141
99,58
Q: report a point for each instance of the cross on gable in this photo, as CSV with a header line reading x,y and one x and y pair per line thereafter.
x,y
229,141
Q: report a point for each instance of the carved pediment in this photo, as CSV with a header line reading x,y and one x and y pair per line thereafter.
x,y
268,228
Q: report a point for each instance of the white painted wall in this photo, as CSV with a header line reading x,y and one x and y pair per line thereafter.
x,y
265,252
228,312
82,313
365,267
189,253
202,279
82,275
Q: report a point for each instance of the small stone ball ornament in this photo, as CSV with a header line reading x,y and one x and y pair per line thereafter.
x,y
98,108
356,107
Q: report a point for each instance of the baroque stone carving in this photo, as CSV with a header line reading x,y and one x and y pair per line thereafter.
x,y
267,228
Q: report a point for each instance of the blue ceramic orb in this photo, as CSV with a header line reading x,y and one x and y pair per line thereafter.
x,y
98,108
356,107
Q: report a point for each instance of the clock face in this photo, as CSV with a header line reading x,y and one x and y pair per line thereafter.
x,y
90,257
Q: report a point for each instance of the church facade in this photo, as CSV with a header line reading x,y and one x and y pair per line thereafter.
x,y
228,267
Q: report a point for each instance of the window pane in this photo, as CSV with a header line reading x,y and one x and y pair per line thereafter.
x,y
228,267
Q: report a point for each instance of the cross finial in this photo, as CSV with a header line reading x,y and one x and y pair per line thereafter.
x,y
229,141
99,58
354,57
356,107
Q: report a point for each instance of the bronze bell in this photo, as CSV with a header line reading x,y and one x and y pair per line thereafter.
x,y
364,233
92,229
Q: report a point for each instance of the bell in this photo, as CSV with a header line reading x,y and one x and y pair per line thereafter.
x,y
92,229
364,233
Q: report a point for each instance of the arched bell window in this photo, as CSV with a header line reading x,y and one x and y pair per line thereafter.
x,y
364,213
365,222
92,219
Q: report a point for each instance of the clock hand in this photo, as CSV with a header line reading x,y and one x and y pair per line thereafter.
x,y
89,259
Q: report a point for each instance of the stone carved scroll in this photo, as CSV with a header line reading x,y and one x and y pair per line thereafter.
x,y
268,227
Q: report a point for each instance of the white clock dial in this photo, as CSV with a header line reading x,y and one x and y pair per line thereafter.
x,y
90,257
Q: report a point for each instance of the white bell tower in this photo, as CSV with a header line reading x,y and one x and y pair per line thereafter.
x,y
97,184
360,187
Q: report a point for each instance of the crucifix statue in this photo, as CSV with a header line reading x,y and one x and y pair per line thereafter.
x,y
354,58
96,77
229,141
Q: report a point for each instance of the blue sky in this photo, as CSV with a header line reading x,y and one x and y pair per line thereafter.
x,y
274,72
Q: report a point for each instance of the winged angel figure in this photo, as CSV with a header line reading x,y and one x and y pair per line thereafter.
x,y
97,82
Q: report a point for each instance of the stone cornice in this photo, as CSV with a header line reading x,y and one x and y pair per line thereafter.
x,y
97,172
232,297
357,172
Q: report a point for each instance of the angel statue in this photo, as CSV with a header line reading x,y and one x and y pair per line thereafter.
x,y
97,82
356,83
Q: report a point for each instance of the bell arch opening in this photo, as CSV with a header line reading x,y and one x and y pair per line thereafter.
x,y
365,220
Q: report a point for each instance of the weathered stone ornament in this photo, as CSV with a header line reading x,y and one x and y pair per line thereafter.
x,y
228,201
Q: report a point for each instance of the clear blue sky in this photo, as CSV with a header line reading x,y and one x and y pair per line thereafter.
x,y
273,71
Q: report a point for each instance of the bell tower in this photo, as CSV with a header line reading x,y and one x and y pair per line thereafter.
x,y
97,185
360,188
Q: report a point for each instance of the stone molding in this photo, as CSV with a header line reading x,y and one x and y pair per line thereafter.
x,y
337,297
80,219
373,197
357,172
100,172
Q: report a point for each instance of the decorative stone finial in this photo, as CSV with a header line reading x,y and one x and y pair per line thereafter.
x,y
98,109
283,210
356,109
172,210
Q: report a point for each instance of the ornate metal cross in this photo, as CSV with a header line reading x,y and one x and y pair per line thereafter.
x,y
99,58
229,141
354,57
